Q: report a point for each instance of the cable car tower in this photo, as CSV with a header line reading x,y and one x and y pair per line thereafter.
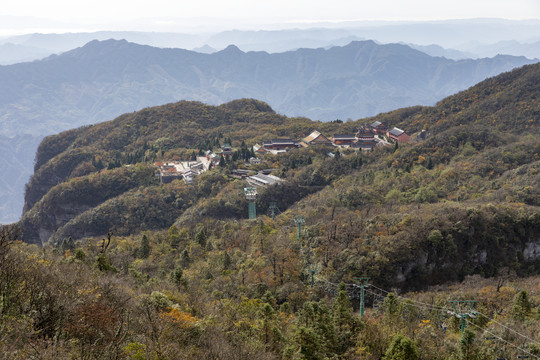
x,y
273,210
299,220
251,195
462,313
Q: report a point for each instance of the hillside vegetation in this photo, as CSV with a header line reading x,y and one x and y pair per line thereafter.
x,y
480,156
135,269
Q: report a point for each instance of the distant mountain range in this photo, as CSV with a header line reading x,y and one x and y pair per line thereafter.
x,y
484,38
104,79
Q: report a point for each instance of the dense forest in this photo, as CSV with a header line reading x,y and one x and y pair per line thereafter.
x,y
116,265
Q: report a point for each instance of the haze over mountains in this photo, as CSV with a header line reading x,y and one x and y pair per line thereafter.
x,y
104,79
455,39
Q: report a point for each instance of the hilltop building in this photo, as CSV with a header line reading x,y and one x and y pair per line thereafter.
x,y
184,170
259,149
255,161
365,138
378,127
398,135
276,145
226,149
316,138
263,180
168,173
344,140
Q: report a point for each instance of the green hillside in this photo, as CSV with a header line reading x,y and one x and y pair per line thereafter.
x,y
135,269
463,201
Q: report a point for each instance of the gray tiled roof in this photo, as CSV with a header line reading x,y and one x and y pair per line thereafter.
x,y
396,132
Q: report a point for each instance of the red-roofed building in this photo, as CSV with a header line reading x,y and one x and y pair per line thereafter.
x,y
378,127
398,135
343,139
366,138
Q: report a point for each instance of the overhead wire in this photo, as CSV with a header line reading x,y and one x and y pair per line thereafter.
x,y
445,310
434,307
477,312
412,303
507,328
430,307
500,338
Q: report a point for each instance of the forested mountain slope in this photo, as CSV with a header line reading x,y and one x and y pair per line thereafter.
x,y
470,188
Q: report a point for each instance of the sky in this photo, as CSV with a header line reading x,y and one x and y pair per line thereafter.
x,y
23,16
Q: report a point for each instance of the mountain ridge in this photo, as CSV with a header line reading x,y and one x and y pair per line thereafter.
x,y
180,70
105,79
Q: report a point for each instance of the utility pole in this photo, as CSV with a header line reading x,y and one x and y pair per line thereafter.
x,y
251,195
312,271
273,209
299,220
364,283
459,304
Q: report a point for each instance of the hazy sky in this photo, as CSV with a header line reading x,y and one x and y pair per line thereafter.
x,y
166,15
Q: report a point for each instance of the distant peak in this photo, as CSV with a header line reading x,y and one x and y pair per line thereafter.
x,y
102,43
98,47
231,49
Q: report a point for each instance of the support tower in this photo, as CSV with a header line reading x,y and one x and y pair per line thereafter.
x,y
251,195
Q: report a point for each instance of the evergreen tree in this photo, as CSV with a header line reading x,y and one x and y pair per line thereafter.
x,y
343,321
316,336
174,236
227,261
269,298
201,238
391,305
310,344
103,263
522,305
267,314
184,258
401,348
466,345
144,248
176,275
68,244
